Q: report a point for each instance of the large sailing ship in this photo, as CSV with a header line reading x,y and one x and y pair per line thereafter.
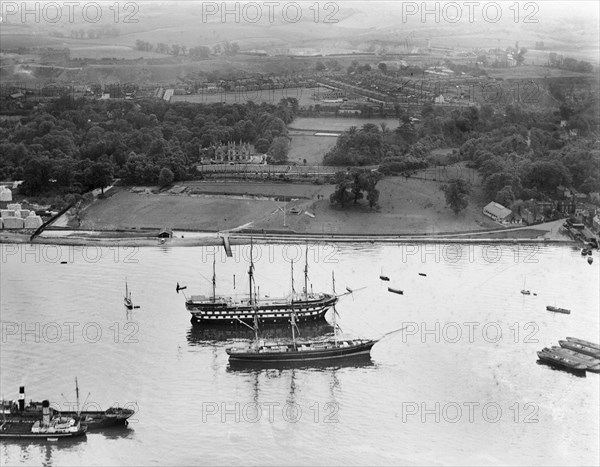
x,y
298,352
219,309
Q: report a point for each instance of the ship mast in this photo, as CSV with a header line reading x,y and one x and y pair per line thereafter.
x,y
77,393
334,310
306,275
214,281
292,312
251,270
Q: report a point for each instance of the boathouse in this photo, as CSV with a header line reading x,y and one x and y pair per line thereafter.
x,y
497,212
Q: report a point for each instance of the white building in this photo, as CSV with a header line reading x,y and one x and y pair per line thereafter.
x,y
496,211
5,194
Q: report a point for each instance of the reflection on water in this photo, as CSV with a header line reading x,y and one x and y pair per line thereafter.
x,y
571,371
114,432
40,451
200,334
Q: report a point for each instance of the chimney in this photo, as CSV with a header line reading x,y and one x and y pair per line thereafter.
x,y
45,413
21,398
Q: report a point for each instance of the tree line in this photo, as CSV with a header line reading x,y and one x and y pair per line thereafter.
x,y
73,146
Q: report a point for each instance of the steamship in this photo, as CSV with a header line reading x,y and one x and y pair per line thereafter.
x,y
20,423
18,412
217,309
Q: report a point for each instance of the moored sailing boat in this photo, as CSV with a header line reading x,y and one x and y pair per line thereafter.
x,y
127,299
218,309
295,352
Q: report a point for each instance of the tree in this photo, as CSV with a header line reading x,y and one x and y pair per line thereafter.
x,y
279,149
165,178
99,174
351,185
457,193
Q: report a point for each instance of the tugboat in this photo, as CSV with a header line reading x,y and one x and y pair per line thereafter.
x,y
300,353
216,309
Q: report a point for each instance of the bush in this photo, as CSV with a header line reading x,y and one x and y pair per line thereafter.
x,y
165,178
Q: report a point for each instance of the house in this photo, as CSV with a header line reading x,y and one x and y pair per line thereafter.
x,y
531,217
439,100
496,211
165,233
231,152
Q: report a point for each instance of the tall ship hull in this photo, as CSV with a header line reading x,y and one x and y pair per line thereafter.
x,y
276,354
221,310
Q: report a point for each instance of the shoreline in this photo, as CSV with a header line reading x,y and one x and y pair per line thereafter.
x,y
111,238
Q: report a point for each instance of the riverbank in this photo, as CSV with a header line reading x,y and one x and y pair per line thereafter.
x,y
539,234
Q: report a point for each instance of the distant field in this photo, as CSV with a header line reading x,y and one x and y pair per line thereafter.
x,y
111,51
312,148
338,123
292,190
533,72
272,96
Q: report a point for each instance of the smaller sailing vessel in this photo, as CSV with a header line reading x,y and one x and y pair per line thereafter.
x,y
127,299
524,291
383,277
299,352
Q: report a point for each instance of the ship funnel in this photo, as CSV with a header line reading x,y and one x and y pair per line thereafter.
x,y
21,398
45,413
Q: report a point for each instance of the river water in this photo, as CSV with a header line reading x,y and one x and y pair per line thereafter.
x,y
460,384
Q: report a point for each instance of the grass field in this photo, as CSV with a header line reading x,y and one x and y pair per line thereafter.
x,y
127,210
305,145
408,206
